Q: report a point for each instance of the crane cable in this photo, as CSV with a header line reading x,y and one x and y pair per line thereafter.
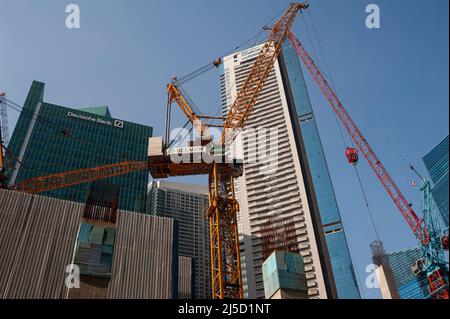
x,y
199,71
178,134
192,75
340,128
210,65
330,75
228,91
367,205
327,74
327,67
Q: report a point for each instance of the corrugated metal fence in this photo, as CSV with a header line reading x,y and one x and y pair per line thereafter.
x,y
37,239
185,277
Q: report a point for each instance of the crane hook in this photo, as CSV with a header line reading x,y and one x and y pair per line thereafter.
x,y
352,155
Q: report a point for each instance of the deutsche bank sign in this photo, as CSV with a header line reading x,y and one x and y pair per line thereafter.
x,y
118,123
115,123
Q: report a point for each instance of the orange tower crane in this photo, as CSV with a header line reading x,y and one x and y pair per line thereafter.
x,y
222,212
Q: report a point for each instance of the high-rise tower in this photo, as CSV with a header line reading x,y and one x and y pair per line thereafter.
x,y
186,204
299,187
436,162
50,139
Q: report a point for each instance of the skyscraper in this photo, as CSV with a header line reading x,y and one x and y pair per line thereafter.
x,y
436,162
186,204
50,139
299,189
400,262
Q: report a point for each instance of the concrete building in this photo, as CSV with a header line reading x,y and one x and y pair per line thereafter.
x,y
186,204
50,139
386,282
436,162
38,236
299,188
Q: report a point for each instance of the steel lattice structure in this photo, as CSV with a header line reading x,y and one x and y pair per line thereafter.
x,y
222,213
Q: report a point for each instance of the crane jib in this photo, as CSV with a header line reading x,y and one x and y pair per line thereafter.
x,y
405,209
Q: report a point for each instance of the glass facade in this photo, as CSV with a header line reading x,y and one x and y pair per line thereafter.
x,y
436,162
186,204
440,196
400,262
411,290
342,266
51,139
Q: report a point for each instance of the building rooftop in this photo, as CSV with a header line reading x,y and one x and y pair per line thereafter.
x,y
97,110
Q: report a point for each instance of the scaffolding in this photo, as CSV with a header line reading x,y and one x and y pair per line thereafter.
x,y
102,203
278,234
378,253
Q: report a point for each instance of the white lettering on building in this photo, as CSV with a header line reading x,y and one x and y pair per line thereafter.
x,y
116,123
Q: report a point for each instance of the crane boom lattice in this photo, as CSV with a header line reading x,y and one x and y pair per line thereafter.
x,y
76,177
225,257
415,223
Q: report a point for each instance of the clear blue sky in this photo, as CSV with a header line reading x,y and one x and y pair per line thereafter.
x,y
393,80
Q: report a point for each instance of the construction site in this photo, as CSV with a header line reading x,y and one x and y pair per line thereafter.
x,y
81,221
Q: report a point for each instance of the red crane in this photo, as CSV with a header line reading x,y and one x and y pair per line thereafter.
x,y
416,224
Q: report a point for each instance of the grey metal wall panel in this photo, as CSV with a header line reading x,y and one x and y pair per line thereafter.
x,y
143,257
185,277
37,239
11,229
39,245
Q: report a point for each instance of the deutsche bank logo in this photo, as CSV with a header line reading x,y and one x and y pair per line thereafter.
x,y
118,123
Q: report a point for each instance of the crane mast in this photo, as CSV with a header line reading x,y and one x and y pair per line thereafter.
x,y
222,213
432,262
437,279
